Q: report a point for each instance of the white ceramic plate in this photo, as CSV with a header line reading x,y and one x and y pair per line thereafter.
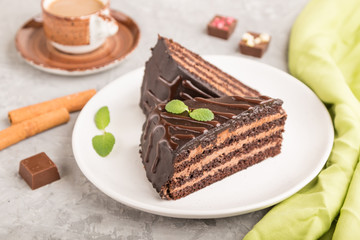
x,y
307,144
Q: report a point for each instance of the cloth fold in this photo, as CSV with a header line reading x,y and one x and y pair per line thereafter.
x,y
324,53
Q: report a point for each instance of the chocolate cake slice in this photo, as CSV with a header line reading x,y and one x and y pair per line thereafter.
x,y
174,72
182,155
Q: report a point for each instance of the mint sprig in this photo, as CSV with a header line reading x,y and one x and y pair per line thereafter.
x,y
176,106
201,114
102,118
104,143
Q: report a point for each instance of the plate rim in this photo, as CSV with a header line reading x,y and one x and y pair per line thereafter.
x,y
205,214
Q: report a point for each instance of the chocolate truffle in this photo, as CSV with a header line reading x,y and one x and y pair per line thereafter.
x,y
254,44
221,27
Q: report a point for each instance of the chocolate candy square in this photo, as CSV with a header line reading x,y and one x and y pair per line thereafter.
x,y
38,170
254,44
221,27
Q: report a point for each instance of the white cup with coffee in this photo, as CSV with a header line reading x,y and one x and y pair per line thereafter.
x,y
77,26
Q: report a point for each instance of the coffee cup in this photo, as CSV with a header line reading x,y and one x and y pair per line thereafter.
x,y
77,26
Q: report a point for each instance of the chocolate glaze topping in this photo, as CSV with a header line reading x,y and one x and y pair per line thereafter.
x,y
165,135
165,78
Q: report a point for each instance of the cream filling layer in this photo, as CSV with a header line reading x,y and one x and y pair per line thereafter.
x,y
227,149
231,163
225,134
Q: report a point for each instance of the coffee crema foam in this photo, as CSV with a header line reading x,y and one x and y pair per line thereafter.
x,y
74,8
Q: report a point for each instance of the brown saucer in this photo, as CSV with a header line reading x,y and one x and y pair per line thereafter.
x,y
35,49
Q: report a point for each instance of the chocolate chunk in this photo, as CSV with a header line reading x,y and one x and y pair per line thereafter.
x,y
38,170
221,27
254,44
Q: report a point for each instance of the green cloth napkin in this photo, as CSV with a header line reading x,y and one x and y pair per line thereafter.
x,y
324,53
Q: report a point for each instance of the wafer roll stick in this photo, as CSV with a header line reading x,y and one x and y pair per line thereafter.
x,y
28,128
72,103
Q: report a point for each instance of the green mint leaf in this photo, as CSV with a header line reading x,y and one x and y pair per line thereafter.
x,y
102,118
103,144
202,114
176,106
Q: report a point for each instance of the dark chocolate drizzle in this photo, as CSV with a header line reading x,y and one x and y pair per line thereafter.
x,y
172,85
185,96
182,136
181,117
225,115
187,84
229,105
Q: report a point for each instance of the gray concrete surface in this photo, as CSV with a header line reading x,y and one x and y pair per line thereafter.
x,y
73,208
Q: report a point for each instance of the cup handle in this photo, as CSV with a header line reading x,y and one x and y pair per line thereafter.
x,y
102,26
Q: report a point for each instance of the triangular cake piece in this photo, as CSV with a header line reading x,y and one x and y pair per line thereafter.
x,y
174,72
182,155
